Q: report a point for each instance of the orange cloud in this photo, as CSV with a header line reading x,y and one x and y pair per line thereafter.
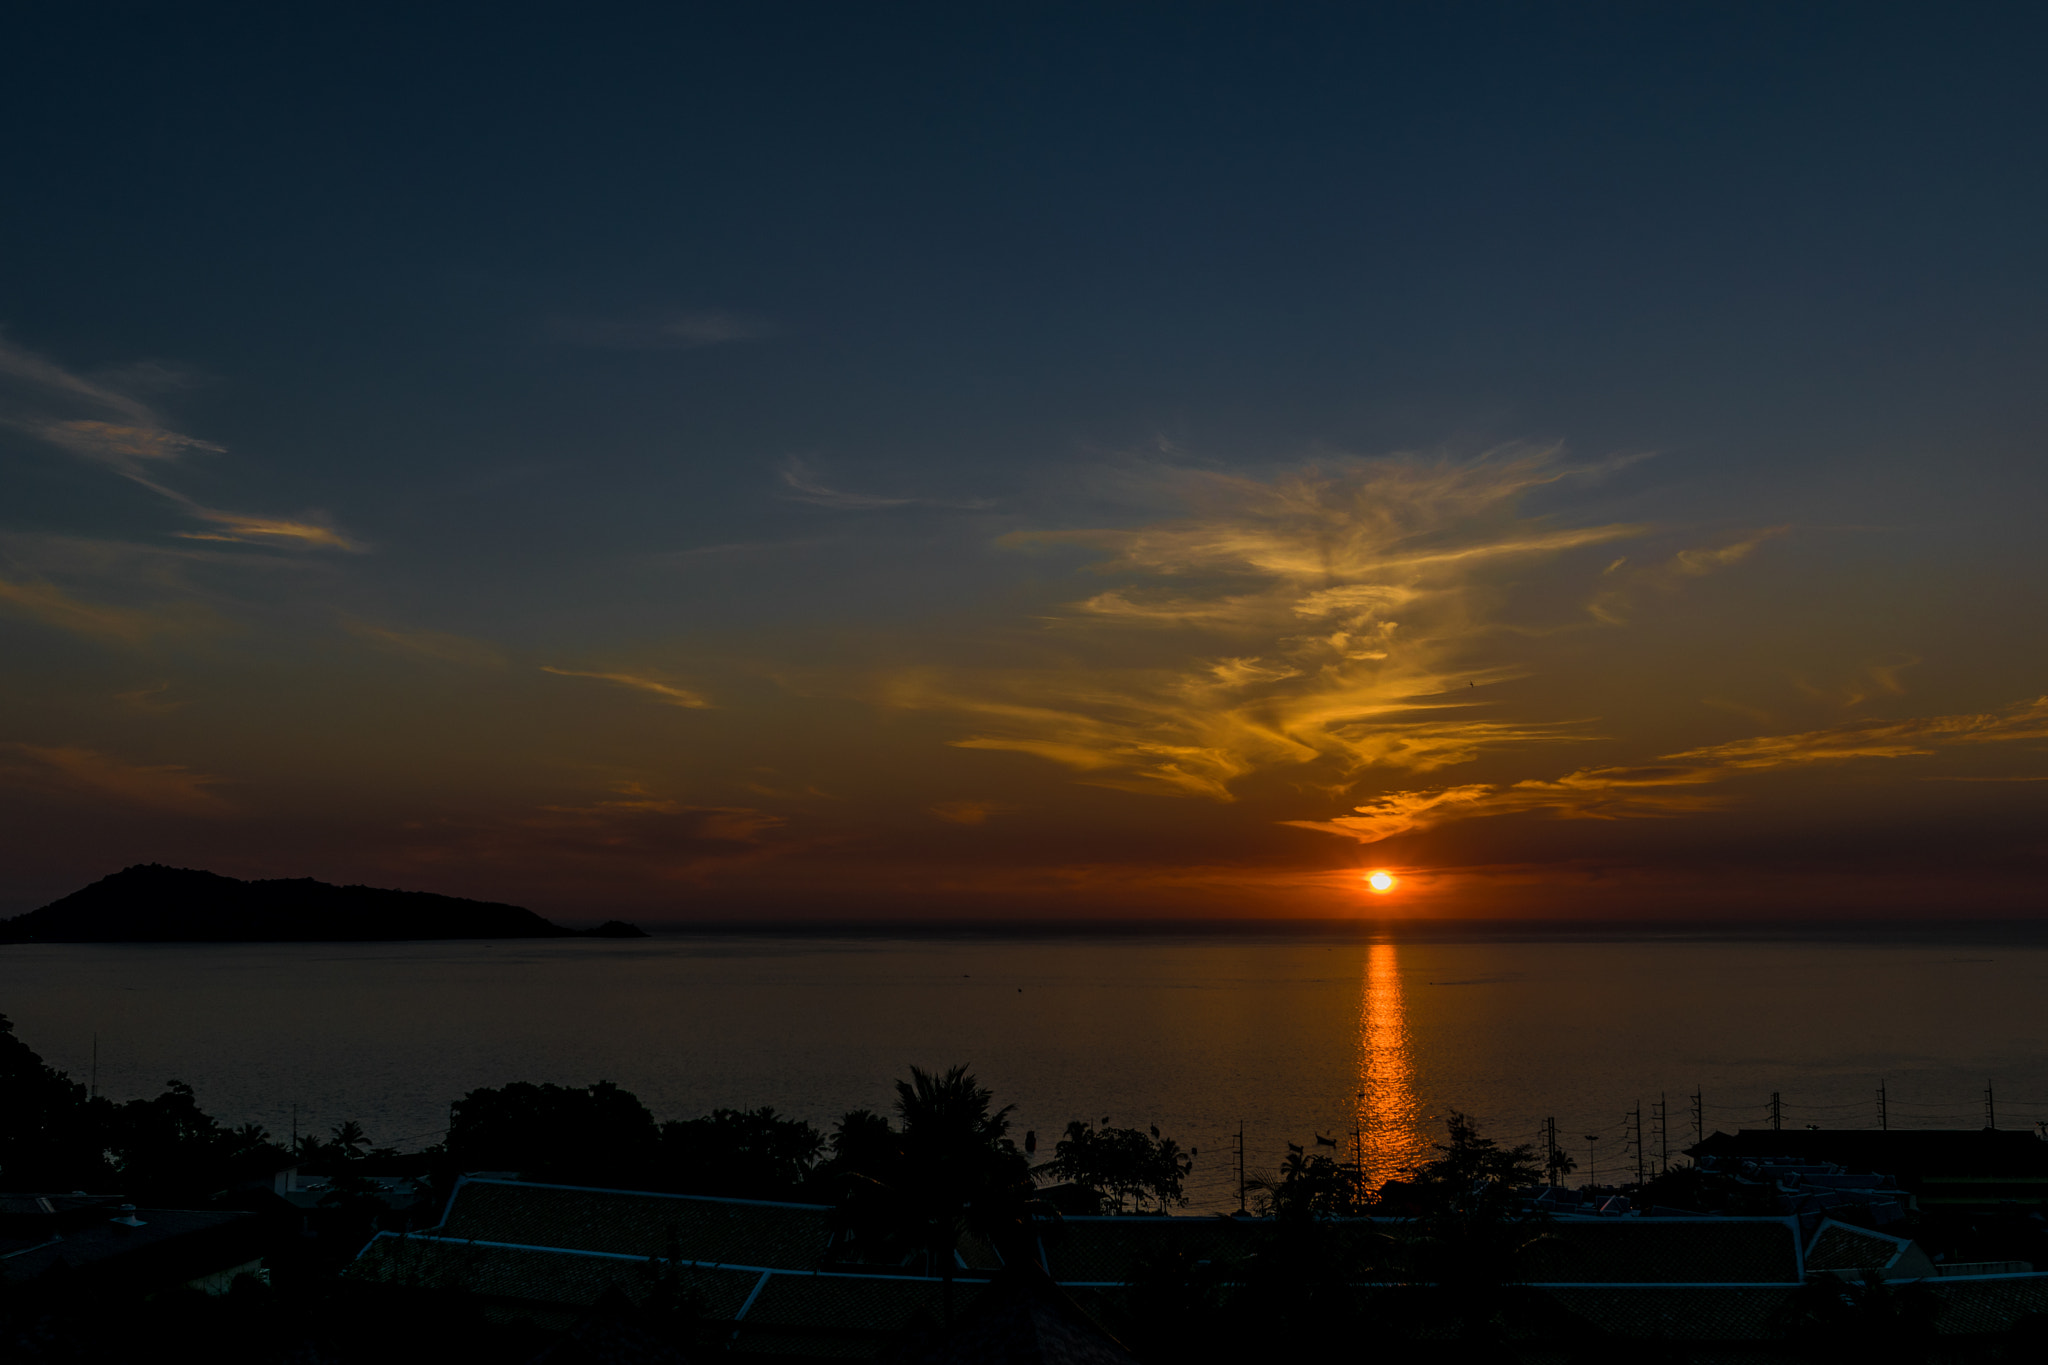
x,y
968,812
244,530
427,644
667,692
130,444
717,824
1880,738
150,700
119,444
86,772
1633,793
53,606
1612,604
1325,612
1588,794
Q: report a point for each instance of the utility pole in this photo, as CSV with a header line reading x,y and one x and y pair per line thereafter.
x,y
1699,1116
1990,1110
1777,1112
1550,1149
1663,1112
1884,1117
1592,1165
1633,1135
1240,1166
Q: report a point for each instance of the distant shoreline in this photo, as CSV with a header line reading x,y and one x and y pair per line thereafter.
x,y
151,903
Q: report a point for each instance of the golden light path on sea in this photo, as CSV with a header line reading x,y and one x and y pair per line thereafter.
x,y
1386,1129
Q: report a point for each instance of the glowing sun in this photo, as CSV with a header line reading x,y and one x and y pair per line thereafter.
x,y
1382,882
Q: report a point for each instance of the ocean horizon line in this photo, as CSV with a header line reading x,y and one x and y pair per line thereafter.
x,y
2014,930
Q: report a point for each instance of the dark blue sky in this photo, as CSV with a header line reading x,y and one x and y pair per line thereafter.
x,y
536,309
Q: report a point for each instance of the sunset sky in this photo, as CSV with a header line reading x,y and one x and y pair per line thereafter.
x,y
1032,461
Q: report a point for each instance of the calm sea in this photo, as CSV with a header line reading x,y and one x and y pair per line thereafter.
x,y
1292,1036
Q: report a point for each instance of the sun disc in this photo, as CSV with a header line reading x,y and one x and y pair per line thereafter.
x,y
1381,882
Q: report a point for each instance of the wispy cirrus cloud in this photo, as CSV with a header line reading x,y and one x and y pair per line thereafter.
x,y
1672,788
1880,738
438,645
968,812
1625,583
1874,680
717,824
663,691
237,529
53,606
805,484
152,700
87,772
1588,794
106,421
122,446
1326,615
637,824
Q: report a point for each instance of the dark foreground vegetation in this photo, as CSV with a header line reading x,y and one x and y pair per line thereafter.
x,y
1435,1266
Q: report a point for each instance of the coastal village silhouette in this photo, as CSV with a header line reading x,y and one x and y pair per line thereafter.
x,y
564,1223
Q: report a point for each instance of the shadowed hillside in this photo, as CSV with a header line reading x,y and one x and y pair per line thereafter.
x,y
150,903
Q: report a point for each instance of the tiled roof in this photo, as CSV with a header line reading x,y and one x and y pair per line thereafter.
x,y
854,1303
1021,1319
1103,1250
1838,1246
1666,1251
167,1245
1695,1278
1990,1305
790,1312
1675,1312
531,1275
688,1227
1611,1251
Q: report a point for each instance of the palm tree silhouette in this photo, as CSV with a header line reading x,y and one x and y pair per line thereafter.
x,y
959,1174
350,1139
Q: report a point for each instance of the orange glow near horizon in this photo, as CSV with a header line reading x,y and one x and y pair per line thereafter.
x,y
1381,881
1387,1139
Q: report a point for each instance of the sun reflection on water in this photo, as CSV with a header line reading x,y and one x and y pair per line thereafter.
x,y
1387,1127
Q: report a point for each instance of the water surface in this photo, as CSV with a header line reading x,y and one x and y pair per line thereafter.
x,y
1367,1043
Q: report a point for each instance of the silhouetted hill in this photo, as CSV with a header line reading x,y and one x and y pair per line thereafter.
x,y
150,903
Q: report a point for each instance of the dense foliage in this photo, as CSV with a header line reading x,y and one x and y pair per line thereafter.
x,y
741,1153
1122,1166
54,1136
596,1134
950,1170
602,1135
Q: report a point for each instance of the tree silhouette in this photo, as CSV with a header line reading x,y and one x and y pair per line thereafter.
x,y
599,1134
1472,1246
350,1141
1311,1187
50,1132
1116,1165
953,1172
746,1154
863,1143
